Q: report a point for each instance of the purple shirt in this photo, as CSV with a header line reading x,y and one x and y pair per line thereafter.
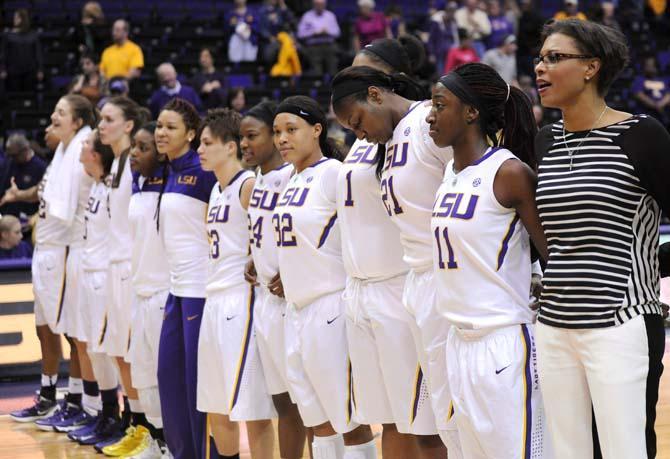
x,y
159,98
501,27
23,250
26,175
311,24
655,88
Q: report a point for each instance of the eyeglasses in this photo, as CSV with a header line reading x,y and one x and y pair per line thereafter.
x,y
555,58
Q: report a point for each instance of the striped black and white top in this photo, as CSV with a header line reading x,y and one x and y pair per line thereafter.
x,y
601,219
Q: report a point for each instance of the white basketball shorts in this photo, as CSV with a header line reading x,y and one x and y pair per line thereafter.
x,y
93,311
118,309
49,280
75,295
230,374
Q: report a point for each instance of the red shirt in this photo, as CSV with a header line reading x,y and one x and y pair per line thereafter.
x,y
371,28
459,56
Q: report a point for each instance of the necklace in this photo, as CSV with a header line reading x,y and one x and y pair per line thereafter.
x,y
570,152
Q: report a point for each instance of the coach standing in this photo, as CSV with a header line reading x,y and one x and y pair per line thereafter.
x,y
603,181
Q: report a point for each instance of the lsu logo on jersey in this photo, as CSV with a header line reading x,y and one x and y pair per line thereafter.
x,y
263,199
364,154
454,205
187,180
396,155
218,214
294,196
93,205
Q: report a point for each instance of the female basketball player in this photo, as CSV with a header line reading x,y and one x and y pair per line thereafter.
x,y
58,232
313,277
120,119
151,281
181,209
383,358
258,150
482,217
231,384
97,161
602,185
368,102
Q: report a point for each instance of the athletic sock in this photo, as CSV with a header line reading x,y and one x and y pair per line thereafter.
x,y
364,451
156,434
48,386
110,403
73,399
331,447
139,419
91,400
75,386
125,415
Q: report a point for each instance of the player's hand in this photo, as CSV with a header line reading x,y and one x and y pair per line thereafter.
x,y
250,273
276,287
535,291
11,194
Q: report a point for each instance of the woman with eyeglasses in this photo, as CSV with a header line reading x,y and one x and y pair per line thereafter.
x,y
603,181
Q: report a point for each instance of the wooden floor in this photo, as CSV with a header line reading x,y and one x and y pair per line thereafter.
x,y
21,441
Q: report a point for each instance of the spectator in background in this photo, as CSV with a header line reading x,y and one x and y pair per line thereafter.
x,y
274,17
503,59
288,61
12,244
92,32
464,53
528,88
570,11
395,20
501,25
123,58
607,10
370,25
209,82
237,100
117,86
89,83
653,91
171,88
442,34
475,22
528,35
318,29
21,55
22,169
243,30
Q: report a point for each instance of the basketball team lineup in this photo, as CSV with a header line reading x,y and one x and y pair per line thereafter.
x,y
469,285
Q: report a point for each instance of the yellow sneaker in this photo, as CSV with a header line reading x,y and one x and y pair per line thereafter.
x,y
133,437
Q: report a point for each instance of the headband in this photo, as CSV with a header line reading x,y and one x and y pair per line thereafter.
x,y
396,57
302,112
457,85
264,112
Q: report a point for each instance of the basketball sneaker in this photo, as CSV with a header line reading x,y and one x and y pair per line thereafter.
x,y
135,435
42,408
148,449
105,428
73,418
47,424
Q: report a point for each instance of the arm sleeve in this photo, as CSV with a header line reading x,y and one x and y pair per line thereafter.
x,y
647,146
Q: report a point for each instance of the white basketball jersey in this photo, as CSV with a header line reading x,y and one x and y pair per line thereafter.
x,y
49,229
151,274
78,227
120,239
264,199
308,234
412,174
371,246
228,234
97,223
481,250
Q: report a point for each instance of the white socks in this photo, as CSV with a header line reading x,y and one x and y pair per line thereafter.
x,y
75,386
365,451
328,447
49,380
92,404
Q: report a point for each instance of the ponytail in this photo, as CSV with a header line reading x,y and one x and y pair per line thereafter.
x,y
519,130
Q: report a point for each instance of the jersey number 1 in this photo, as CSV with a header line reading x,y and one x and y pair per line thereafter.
x,y
451,262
